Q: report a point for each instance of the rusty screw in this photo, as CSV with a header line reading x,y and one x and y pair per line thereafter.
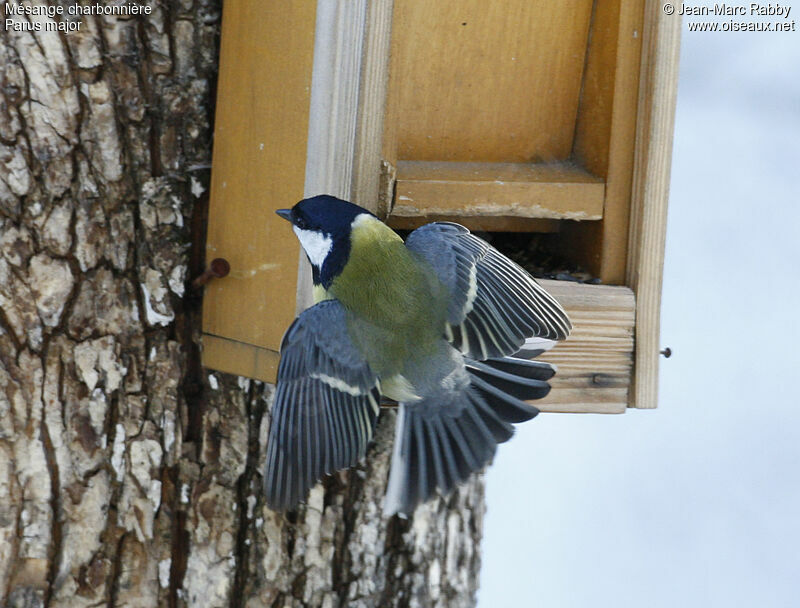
x,y
218,268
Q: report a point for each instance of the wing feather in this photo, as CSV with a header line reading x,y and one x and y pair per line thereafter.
x,y
325,407
494,304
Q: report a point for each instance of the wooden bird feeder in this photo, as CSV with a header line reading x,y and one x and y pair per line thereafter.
x,y
516,116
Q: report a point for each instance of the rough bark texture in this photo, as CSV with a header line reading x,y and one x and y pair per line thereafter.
x,y
128,474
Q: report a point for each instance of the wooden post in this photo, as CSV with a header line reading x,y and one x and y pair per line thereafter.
x,y
647,233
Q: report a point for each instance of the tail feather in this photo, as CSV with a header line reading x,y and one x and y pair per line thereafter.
x,y
445,463
535,370
509,407
441,440
512,384
500,429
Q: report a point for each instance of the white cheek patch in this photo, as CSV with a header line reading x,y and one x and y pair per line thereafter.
x,y
316,245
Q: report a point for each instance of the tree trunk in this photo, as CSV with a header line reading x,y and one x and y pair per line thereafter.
x,y
129,475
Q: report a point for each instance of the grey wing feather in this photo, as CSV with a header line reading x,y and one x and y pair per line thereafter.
x,y
494,304
325,408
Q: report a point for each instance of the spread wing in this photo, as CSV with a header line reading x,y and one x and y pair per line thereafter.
x,y
325,408
494,304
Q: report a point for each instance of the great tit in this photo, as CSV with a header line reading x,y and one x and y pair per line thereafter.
x,y
429,323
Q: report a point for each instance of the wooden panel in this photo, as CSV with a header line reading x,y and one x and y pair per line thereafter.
x,y
481,223
605,133
334,113
366,187
594,120
241,359
259,165
457,190
650,194
334,116
595,362
487,81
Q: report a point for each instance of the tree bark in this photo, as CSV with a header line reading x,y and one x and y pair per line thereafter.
x,y
129,475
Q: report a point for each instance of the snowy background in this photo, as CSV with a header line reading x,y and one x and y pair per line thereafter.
x,y
696,503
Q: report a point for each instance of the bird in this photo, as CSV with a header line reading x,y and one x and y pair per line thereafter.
x,y
442,324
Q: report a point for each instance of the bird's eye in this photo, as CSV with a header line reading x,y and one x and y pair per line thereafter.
x,y
301,223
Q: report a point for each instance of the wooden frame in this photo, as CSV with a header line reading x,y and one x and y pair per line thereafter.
x,y
650,196
261,136
573,156
334,110
309,126
334,134
461,191
605,136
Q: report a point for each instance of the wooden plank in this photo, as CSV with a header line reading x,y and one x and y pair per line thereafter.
x,y
240,358
564,400
371,109
595,363
594,118
259,163
463,190
313,113
616,211
333,117
489,82
657,95
335,91
605,133
483,223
